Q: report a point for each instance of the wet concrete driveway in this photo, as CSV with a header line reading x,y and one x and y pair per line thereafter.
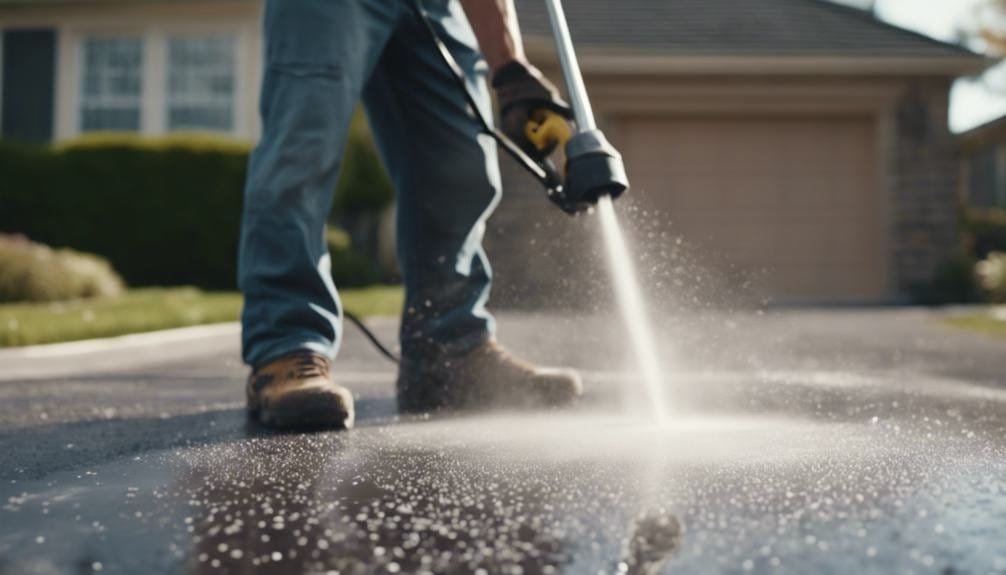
x,y
801,442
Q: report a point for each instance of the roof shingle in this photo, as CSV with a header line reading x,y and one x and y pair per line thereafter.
x,y
734,27
708,27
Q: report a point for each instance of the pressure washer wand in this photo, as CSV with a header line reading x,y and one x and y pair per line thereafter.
x,y
595,175
578,100
593,167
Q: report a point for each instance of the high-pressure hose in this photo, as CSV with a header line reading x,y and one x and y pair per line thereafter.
x,y
549,180
373,338
594,168
545,172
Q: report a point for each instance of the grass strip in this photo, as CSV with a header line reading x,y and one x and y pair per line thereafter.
x,y
150,309
983,323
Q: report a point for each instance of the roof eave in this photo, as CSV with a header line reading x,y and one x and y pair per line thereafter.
x,y
638,63
992,131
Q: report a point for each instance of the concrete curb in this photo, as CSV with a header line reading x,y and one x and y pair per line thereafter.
x,y
122,342
140,340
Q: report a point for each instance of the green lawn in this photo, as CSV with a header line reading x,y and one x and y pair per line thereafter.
x,y
152,309
984,323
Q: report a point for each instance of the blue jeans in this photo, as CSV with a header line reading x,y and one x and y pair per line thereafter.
x,y
322,58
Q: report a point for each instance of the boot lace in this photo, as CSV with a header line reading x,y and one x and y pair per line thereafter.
x,y
311,365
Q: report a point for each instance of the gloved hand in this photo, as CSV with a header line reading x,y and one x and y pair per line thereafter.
x,y
521,89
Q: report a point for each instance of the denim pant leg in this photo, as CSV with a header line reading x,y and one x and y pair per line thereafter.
x,y
318,55
446,176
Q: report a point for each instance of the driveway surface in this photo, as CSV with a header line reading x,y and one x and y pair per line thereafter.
x,y
801,441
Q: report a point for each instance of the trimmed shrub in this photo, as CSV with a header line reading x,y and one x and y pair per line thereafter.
x,y
349,268
954,281
992,276
164,211
986,231
31,271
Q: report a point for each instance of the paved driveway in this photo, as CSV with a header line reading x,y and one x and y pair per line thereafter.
x,y
801,442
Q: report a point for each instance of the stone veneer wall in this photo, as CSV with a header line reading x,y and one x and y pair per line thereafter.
x,y
924,185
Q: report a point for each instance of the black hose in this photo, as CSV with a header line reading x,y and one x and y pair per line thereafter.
x,y
540,173
373,338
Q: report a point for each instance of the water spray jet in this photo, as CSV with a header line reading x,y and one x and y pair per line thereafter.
x,y
595,175
630,300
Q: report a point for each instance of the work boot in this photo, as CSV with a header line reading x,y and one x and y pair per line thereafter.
x,y
297,392
485,377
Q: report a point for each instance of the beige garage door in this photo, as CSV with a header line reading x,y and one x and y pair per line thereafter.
x,y
788,202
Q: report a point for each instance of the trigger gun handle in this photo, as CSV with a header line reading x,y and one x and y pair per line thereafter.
x,y
546,130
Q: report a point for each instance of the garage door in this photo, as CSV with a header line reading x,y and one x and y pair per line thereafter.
x,y
787,202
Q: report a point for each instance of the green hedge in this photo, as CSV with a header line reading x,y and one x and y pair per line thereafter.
x,y
349,267
164,211
364,184
953,281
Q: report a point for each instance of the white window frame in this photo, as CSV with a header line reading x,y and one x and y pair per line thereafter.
x,y
153,101
200,35
81,66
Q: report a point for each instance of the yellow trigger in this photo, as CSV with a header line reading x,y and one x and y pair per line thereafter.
x,y
545,129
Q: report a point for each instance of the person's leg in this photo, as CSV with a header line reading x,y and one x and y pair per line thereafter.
x,y
318,56
446,176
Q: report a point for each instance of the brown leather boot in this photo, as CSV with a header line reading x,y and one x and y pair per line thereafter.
x,y
486,377
297,392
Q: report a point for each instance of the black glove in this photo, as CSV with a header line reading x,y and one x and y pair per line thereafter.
x,y
521,89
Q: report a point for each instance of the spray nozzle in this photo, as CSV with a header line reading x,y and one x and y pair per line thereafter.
x,y
594,168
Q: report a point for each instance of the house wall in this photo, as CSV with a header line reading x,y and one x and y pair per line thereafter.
x,y
153,22
915,188
562,256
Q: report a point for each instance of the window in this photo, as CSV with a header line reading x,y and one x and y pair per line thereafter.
x,y
159,80
110,97
984,179
200,87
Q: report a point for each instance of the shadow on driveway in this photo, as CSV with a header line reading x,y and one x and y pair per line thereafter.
x,y
34,452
